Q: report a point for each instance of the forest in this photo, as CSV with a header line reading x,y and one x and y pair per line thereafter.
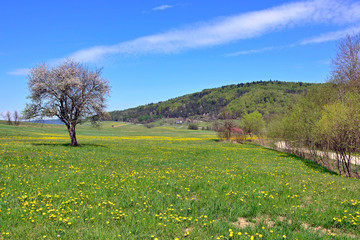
x,y
267,97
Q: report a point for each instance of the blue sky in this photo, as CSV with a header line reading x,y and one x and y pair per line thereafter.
x,y
155,50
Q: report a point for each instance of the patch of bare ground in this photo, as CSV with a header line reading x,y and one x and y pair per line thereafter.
x,y
243,223
319,229
308,200
322,230
282,219
265,219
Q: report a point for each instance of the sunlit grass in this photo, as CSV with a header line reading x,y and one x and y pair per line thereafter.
x,y
130,182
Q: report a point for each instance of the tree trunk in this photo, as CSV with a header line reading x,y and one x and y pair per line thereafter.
x,y
72,135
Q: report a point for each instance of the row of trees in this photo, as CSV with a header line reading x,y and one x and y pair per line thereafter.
x,y
11,118
325,123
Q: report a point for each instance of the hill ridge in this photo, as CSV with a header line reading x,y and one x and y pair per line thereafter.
x,y
267,97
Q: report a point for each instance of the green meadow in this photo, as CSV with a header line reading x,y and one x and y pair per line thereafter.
x,y
126,181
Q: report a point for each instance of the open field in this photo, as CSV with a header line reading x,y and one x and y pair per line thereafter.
x,y
130,182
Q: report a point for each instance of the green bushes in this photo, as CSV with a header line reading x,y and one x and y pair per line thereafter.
x,y
253,123
325,123
193,126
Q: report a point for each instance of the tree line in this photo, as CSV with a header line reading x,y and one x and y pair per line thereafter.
x,y
325,123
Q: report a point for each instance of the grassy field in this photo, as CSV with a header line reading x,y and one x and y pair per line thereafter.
x,y
130,182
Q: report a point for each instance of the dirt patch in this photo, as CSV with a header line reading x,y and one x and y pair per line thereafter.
x,y
243,223
266,219
320,229
282,219
308,199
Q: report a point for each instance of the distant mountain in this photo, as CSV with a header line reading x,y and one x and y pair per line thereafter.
x,y
48,121
267,97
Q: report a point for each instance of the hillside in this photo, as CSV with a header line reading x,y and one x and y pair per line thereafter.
x,y
269,97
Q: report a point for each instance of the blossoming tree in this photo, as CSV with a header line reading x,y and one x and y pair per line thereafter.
x,y
69,91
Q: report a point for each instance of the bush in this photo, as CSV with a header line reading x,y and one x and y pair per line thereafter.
x,y
224,129
193,126
150,125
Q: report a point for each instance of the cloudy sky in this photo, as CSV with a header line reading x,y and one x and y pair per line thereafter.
x,y
155,50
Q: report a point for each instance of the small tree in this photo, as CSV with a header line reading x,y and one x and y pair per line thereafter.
x,y
346,65
253,123
224,129
16,117
8,117
339,131
193,126
69,91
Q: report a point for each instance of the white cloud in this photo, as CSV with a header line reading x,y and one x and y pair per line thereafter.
x,y
326,37
245,52
20,72
331,36
232,28
162,7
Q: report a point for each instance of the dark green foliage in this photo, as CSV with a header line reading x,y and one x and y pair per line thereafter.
x,y
193,126
267,97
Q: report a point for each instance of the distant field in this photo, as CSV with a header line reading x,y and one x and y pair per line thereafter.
x,y
129,182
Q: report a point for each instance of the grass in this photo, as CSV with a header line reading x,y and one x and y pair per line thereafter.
x,y
130,182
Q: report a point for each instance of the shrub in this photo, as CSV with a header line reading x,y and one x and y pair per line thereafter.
x,y
193,126
149,125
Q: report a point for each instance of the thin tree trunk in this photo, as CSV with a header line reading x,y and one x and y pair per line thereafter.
x,y
338,158
348,164
72,135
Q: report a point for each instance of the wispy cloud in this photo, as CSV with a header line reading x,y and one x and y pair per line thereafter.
x,y
162,7
230,29
331,36
20,72
245,52
326,37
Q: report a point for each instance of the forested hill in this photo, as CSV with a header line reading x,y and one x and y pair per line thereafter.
x,y
268,97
